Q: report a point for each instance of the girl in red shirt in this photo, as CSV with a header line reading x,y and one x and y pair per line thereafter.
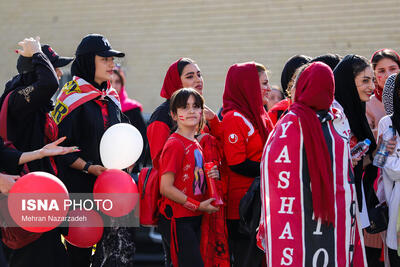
x,y
245,130
183,184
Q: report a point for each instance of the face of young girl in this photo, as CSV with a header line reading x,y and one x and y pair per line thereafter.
x,y
190,115
104,68
265,88
192,78
365,84
383,69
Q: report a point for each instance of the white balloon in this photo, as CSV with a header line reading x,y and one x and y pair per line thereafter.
x,y
120,146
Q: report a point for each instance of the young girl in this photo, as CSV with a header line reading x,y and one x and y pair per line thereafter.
x,y
182,182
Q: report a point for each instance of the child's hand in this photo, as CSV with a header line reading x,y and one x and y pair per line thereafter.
x,y
206,206
213,173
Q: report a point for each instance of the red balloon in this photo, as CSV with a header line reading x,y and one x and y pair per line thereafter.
x,y
36,202
85,228
118,187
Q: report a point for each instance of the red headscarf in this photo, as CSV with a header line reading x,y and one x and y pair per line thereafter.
x,y
315,91
172,81
243,93
379,90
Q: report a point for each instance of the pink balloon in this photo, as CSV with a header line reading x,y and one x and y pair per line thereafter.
x,y
85,233
120,188
36,202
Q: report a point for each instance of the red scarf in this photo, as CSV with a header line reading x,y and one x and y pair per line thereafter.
x,y
315,91
76,93
172,81
126,102
243,94
379,90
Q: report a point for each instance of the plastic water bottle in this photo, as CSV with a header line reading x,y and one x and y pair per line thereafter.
x,y
382,153
360,149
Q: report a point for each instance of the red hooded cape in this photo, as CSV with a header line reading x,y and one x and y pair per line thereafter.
x,y
243,94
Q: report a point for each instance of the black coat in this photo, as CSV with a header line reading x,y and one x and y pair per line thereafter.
x,y
28,105
9,159
84,127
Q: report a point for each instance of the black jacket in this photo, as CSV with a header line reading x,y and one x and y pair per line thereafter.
x,y
28,106
84,127
9,159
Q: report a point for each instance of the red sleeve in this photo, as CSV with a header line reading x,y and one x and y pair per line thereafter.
x,y
234,139
157,134
273,115
270,125
171,159
216,127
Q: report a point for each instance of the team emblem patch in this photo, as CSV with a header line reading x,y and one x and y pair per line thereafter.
x,y
233,138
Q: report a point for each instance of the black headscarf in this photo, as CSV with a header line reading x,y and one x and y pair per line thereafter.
x,y
289,69
329,59
84,67
26,76
396,105
347,95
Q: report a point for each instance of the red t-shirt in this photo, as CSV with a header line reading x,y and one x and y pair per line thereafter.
x,y
241,141
184,158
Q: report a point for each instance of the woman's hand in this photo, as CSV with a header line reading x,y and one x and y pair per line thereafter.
x,y
6,182
53,149
213,173
391,145
205,206
30,47
208,113
354,161
96,170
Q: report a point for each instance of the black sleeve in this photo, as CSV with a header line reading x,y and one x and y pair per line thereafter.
x,y
69,128
9,159
38,94
247,168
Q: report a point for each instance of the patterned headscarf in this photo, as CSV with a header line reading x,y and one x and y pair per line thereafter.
x,y
387,96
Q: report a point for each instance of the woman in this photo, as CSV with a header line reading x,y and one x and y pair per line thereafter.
x,y
384,62
391,171
183,73
354,83
131,108
306,184
29,127
245,130
84,110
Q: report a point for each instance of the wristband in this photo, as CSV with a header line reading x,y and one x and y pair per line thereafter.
x,y
86,167
191,204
